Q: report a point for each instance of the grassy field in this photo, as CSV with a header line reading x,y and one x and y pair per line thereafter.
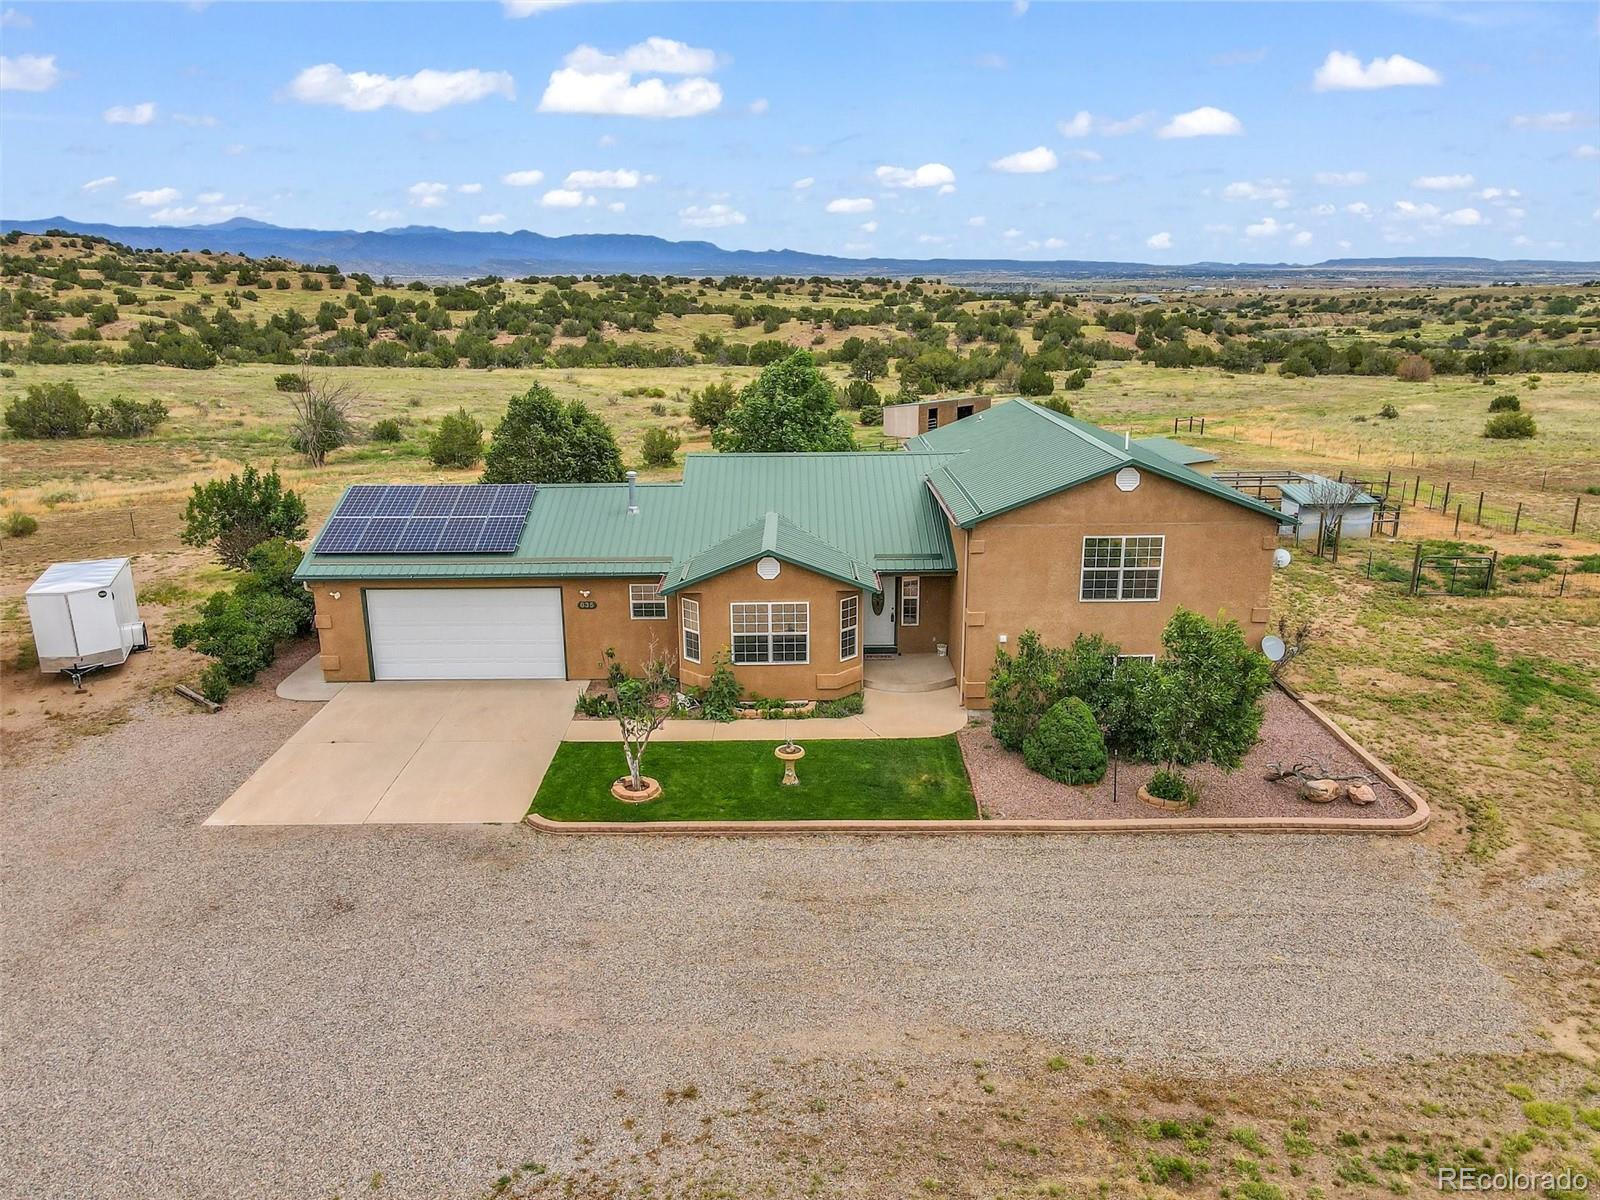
x,y
908,779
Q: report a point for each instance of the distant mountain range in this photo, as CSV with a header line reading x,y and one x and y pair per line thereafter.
x,y
428,252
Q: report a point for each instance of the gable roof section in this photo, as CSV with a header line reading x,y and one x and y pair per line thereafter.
x,y
1179,453
1304,491
1018,452
779,537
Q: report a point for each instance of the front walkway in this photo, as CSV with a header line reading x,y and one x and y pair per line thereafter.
x,y
411,753
886,715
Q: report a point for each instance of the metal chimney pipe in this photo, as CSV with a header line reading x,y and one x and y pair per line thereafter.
x,y
633,492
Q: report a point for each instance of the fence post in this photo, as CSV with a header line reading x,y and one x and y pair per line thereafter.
x,y
1202,427
1577,502
1479,519
1516,521
1494,557
1562,591
1174,426
1444,505
1458,521
1432,487
1416,569
1474,468
1417,492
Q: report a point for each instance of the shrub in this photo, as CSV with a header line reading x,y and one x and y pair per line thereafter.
x,y
859,394
129,418
214,685
660,448
1388,412
1506,402
1066,745
1172,787
871,414
1413,368
1023,686
458,442
292,381
721,699
49,410
241,627
1035,381
1208,705
711,405
1128,716
321,421
236,514
1507,426
387,430
17,524
845,706
1077,380
542,440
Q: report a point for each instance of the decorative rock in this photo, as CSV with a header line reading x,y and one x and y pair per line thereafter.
x,y
622,791
1362,793
1321,791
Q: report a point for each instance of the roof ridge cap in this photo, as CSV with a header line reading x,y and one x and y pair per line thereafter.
x,y
1065,423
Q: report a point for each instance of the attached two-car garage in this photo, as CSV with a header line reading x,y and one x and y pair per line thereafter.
x,y
466,633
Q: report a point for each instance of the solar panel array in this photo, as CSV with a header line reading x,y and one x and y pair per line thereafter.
x,y
416,518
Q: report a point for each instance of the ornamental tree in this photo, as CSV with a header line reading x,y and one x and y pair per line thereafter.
x,y
542,440
790,408
236,514
1206,704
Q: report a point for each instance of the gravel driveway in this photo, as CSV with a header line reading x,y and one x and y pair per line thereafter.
x,y
284,1012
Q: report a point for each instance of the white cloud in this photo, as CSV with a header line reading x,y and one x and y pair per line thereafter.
x,y
869,227
1159,241
1359,209
622,179
196,120
605,141
182,213
1205,121
977,222
94,185
1261,191
154,197
209,198
521,178
130,114
1341,72
1303,238
1027,162
931,239
617,206
927,175
1499,195
491,218
562,198
1586,151
590,81
1267,227
758,107
469,189
1463,217
426,91
384,214
801,185
12,19
1012,233
517,9
1083,123
1054,243
428,195
710,216
1410,210
1443,183
1340,178
851,204
29,73
1550,120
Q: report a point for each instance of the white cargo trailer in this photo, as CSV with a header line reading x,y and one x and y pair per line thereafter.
x,y
85,616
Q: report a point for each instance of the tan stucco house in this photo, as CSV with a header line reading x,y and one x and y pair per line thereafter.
x,y
798,567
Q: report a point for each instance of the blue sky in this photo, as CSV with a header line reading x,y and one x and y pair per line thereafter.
x,y
1157,132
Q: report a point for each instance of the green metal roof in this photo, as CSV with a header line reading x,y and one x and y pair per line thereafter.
x,y
1018,452
1179,453
779,537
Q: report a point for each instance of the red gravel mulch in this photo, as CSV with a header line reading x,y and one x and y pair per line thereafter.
x,y
1005,788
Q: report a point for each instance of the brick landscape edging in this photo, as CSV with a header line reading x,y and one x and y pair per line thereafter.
x,y
1421,814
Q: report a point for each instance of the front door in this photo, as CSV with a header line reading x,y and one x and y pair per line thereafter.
x,y
880,610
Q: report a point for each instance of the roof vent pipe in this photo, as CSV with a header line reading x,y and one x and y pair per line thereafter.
x,y
1127,440
633,492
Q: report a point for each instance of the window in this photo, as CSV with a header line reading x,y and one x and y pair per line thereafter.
x,y
647,602
1149,658
933,418
771,633
849,627
689,612
910,600
1122,568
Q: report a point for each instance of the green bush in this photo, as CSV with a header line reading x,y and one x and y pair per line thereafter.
x,y
845,706
660,448
859,394
1170,786
1388,412
241,627
236,514
1023,686
1509,425
387,430
458,442
1506,402
49,410
721,699
291,381
871,414
1067,745
710,406
1128,717
129,418
214,685
18,524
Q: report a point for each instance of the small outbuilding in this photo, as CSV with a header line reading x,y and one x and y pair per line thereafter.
x,y
910,420
85,616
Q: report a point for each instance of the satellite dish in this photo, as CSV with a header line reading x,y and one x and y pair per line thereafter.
x,y
1280,558
1272,646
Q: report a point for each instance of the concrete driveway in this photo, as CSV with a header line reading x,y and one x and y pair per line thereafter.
x,y
411,753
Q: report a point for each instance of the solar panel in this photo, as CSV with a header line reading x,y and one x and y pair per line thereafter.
x,y
414,518
500,535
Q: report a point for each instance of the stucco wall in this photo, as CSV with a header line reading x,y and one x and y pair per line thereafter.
x,y
1023,569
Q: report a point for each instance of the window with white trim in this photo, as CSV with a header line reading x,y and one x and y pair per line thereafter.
x,y
770,633
849,627
646,603
910,600
1122,568
689,613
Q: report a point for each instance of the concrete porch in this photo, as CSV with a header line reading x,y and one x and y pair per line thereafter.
x,y
909,673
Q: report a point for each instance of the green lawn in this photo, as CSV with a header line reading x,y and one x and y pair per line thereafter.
x,y
892,779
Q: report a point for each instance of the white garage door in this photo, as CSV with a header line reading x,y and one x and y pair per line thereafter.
x,y
466,633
